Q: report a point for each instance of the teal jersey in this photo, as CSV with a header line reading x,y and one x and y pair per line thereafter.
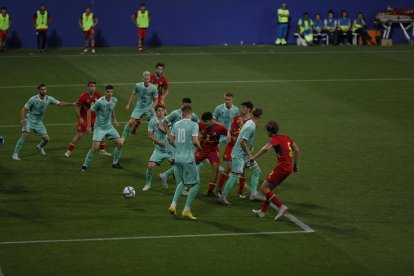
x,y
247,133
37,107
183,132
225,115
145,95
154,126
176,116
103,110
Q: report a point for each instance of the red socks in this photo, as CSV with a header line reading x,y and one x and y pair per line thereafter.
x,y
211,186
223,179
71,147
242,182
137,124
101,146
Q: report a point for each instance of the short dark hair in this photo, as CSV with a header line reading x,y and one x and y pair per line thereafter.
x,y
158,105
257,112
159,64
91,82
229,94
142,4
272,127
3,8
186,108
207,116
306,13
42,4
40,85
109,86
248,104
186,101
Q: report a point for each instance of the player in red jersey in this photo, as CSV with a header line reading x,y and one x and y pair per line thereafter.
x,y
283,146
161,82
85,101
209,139
232,134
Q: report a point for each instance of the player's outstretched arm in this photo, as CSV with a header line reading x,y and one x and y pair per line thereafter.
x,y
296,152
65,104
262,151
23,115
131,98
196,143
114,118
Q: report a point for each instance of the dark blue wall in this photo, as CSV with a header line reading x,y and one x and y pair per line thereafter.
x,y
183,22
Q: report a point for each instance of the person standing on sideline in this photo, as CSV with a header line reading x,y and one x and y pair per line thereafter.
x,y
87,22
185,138
282,146
32,115
5,23
283,22
141,19
85,101
41,20
105,113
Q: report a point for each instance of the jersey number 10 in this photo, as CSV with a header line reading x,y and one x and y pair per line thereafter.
x,y
181,135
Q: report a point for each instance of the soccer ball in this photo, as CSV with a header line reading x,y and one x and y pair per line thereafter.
x,y
129,192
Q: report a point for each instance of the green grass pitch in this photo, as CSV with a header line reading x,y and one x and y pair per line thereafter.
x,y
350,110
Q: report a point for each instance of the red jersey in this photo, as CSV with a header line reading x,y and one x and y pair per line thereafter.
x,y
210,136
161,83
85,102
282,145
236,126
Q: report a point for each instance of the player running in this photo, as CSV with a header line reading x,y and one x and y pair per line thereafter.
x,y
163,149
240,154
32,115
184,137
225,114
85,101
283,146
105,112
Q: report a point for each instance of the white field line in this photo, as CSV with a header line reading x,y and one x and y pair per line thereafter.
x,y
71,124
1,272
242,51
225,82
156,237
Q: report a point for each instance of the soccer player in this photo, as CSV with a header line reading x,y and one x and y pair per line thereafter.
x,y
184,138
32,115
210,135
147,98
161,82
85,101
163,149
240,154
141,19
5,23
225,114
41,20
87,22
233,132
282,146
105,112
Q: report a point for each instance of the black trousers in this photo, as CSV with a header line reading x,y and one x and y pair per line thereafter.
x,y
364,35
41,39
342,35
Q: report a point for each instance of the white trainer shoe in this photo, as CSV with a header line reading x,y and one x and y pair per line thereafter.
x,y
15,156
281,212
93,51
146,188
256,197
67,153
104,152
258,213
163,178
223,200
41,150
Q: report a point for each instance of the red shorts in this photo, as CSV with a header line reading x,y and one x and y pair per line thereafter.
x,y
3,34
227,152
89,33
82,128
277,175
142,32
212,156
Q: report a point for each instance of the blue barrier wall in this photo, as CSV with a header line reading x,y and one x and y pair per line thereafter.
x,y
183,22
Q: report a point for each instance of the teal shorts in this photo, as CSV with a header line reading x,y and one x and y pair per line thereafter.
x,y
239,164
37,126
99,134
186,173
160,155
222,140
139,112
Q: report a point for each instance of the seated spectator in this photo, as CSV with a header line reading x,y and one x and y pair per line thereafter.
x,y
331,28
305,26
344,28
319,37
360,27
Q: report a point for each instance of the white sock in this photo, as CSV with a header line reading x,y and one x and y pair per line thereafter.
x,y
187,208
173,204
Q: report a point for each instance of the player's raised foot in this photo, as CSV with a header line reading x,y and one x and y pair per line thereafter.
x,y
256,197
117,166
15,156
104,152
163,179
241,195
281,212
210,193
41,150
188,215
84,168
223,200
258,213
172,211
67,153
146,188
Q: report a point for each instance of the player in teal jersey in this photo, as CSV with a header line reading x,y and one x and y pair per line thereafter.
x,y
32,115
163,149
225,113
147,97
184,137
103,127
240,154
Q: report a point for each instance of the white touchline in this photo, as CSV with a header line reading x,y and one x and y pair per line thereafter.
x,y
226,81
156,237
